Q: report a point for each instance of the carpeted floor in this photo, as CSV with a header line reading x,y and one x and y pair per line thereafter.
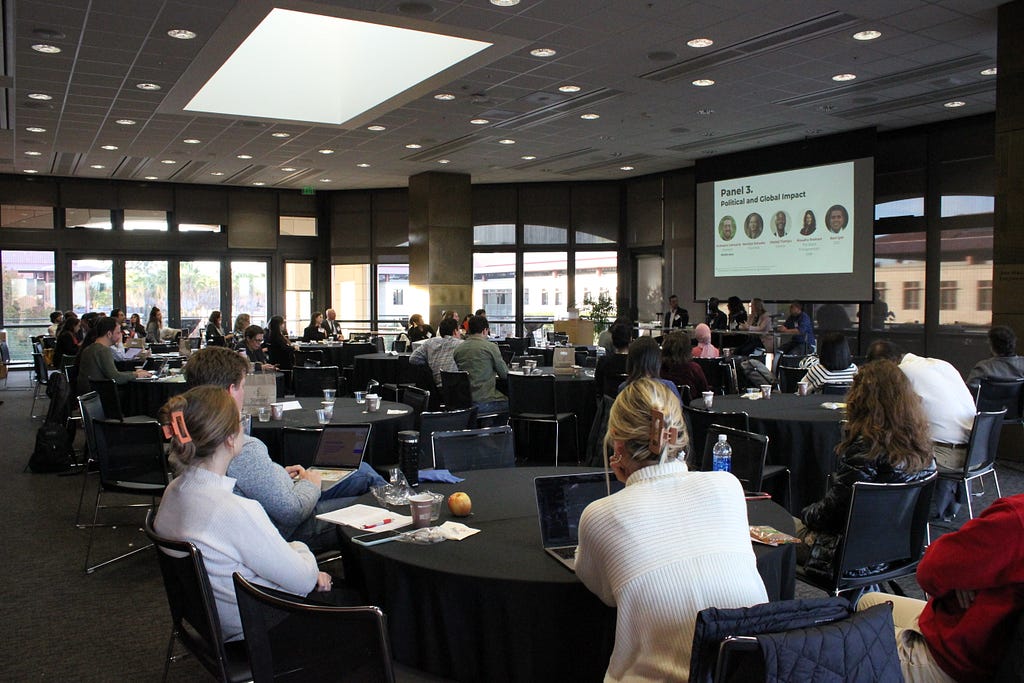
x,y
62,624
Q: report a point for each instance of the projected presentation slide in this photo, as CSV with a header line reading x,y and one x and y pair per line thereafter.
x,y
795,222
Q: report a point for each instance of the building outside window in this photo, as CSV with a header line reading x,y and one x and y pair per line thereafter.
x,y
947,295
912,295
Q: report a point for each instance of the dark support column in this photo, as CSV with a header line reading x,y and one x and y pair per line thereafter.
x,y
441,241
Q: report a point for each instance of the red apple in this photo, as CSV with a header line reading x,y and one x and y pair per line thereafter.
x,y
460,504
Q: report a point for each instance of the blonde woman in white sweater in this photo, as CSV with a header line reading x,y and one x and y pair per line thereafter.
x,y
668,545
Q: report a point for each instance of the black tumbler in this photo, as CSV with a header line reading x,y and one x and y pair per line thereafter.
x,y
409,456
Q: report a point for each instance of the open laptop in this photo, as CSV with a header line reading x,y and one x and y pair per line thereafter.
x,y
339,452
561,500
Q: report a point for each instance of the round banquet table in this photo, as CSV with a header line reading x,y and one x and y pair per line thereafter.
x,y
802,435
147,396
574,393
495,607
339,354
381,451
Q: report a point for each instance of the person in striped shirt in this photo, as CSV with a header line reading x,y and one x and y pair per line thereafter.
x,y
831,365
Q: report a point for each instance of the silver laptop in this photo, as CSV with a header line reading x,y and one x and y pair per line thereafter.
x,y
339,453
561,500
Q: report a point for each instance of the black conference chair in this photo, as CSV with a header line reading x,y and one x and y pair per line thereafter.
x,y
611,382
835,389
699,421
312,381
474,449
417,399
110,397
285,636
789,377
131,461
441,421
91,408
399,345
749,451
194,619
455,390
506,353
981,454
309,359
41,378
999,394
533,400
887,524
714,372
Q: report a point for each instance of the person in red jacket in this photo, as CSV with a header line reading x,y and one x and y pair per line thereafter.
x,y
975,577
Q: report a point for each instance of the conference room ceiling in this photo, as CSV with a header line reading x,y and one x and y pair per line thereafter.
x,y
772,64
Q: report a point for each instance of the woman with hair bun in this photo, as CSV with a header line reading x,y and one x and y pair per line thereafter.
x,y
233,533
668,545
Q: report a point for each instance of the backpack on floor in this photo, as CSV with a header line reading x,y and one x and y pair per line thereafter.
x,y
53,451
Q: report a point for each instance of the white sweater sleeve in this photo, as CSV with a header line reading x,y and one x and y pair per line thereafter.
x,y
288,566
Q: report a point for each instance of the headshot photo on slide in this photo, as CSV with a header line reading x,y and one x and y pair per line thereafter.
x,y
753,226
836,218
727,228
810,223
779,221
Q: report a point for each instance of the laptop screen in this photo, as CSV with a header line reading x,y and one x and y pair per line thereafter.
x,y
561,500
341,447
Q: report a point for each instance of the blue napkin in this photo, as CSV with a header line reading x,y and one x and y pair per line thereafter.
x,y
442,476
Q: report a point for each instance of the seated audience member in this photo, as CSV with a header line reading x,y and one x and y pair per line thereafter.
x,y
704,348
438,352
137,329
68,342
604,340
313,332
612,365
670,544
117,349
242,322
156,333
643,361
96,361
803,339
759,321
331,327
974,578
1004,363
214,333
481,358
56,318
279,349
233,533
418,329
949,409
832,363
290,495
737,313
886,441
254,348
716,319
677,364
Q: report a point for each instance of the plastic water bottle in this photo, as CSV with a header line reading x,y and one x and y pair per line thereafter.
x,y
721,455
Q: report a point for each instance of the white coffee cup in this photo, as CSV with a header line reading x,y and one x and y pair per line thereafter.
x,y
709,398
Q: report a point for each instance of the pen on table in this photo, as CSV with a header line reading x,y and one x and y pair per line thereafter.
x,y
383,521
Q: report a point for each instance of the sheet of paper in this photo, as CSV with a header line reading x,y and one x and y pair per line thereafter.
x,y
288,405
396,411
367,517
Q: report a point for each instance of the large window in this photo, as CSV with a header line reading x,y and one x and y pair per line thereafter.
x,y
96,219
544,272
297,226
494,287
249,290
135,219
393,300
28,297
350,293
597,274
145,287
966,263
200,291
21,216
92,285
899,268
499,233
298,295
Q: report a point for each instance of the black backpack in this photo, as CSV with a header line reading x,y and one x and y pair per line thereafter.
x,y
54,451
756,372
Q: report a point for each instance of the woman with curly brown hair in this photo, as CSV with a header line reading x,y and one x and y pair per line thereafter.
x,y
678,366
886,441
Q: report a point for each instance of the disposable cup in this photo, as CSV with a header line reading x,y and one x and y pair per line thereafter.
x,y
329,394
766,390
709,398
264,413
277,411
803,388
322,417
360,397
421,507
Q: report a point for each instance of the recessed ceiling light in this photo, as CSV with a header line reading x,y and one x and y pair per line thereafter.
x,y
168,161
243,156
700,42
506,141
181,34
191,141
444,96
288,169
991,71
376,128
703,82
325,180
955,104
867,35
543,52
326,151
109,148
528,157
569,88
35,129
31,170
626,168
258,182
280,134
46,49
217,173
505,3
590,117
147,86
363,165
444,161
96,166
413,145
844,77
125,122
33,154
152,177
39,96
479,122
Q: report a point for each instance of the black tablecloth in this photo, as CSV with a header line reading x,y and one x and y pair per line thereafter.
x,y
576,394
495,607
801,435
386,368
147,396
380,452
339,354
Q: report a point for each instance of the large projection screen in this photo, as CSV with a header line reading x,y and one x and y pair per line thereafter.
x,y
802,233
